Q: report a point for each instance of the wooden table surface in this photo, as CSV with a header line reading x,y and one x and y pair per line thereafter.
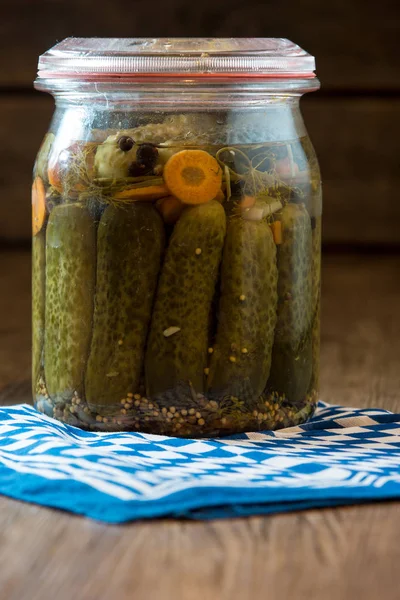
x,y
340,554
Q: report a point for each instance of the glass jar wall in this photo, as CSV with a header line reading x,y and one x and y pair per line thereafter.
x,y
176,256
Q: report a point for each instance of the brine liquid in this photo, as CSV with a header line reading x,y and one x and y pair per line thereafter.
x,y
153,314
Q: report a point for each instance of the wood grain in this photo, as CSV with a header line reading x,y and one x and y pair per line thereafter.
x,y
15,326
329,554
339,554
361,330
355,138
355,42
23,124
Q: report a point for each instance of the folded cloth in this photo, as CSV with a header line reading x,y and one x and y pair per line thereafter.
x,y
341,456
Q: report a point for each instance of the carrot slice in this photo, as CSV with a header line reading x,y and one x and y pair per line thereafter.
x,y
287,168
220,197
247,202
59,167
276,227
193,176
54,174
38,205
150,192
170,208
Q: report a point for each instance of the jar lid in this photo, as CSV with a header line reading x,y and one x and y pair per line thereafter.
x,y
99,58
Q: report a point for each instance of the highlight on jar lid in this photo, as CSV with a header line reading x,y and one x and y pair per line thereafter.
x,y
98,58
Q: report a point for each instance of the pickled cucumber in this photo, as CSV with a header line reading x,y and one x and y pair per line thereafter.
x,y
241,358
38,303
291,371
70,279
130,242
177,347
42,158
291,355
316,301
316,343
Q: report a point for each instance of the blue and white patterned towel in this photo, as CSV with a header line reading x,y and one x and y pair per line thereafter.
x,y
341,456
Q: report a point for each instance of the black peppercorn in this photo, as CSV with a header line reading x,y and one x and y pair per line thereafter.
x,y
125,143
136,170
147,155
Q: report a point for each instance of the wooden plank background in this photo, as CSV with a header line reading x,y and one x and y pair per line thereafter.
x,y
354,122
356,43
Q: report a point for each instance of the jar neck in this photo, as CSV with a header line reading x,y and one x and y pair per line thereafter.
x,y
178,94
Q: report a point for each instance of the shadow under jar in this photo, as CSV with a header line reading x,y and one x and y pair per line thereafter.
x,y
176,237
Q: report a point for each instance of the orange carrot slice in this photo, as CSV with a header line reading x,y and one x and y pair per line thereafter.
x,y
287,168
60,164
150,192
193,176
38,205
247,202
276,227
220,197
170,208
54,173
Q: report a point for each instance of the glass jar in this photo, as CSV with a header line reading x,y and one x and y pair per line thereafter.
x,y
176,237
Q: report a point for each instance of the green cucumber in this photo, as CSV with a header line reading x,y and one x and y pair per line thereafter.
x,y
42,157
130,242
291,372
316,301
184,299
241,358
291,355
70,280
38,303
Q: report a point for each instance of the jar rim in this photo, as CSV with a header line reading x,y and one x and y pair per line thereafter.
x,y
104,59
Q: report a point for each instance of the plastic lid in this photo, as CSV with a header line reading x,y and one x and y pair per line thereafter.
x,y
97,58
